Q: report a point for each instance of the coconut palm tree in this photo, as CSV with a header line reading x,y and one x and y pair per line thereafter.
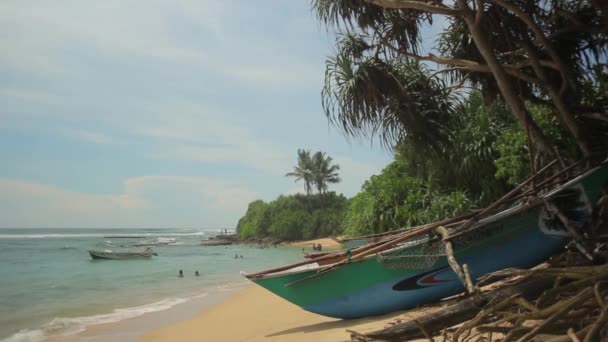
x,y
324,172
303,170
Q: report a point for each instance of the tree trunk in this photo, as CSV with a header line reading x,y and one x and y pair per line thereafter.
x,y
502,79
562,109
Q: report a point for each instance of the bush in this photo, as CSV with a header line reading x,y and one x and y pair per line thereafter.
x,y
393,200
294,217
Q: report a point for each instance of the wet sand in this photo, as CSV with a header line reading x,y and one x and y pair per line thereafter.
x,y
254,314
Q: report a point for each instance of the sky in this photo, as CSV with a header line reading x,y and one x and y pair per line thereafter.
x,y
161,114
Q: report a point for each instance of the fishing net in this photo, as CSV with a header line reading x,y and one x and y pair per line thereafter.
x,y
414,255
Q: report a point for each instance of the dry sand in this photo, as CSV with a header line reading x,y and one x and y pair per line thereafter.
x,y
254,314
325,242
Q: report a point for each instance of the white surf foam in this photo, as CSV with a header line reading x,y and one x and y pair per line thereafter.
x,y
68,326
77,324
26,335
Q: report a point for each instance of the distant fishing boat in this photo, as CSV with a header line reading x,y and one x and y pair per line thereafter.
x,y
121,255
155,242
412,268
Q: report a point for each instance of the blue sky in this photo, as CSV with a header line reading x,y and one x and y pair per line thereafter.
x,y
160,113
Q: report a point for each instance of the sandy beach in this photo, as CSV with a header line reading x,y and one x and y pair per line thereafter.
x,y
325,243
254,314
245,313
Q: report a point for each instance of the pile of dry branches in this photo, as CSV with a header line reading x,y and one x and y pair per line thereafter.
x,y
560,301
573,309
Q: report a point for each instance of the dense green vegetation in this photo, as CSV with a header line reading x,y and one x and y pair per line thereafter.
x,y
393,200
516,85
299,216
294,217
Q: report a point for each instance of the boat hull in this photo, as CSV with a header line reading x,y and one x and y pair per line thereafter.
x,y
354,243
119,256
514,238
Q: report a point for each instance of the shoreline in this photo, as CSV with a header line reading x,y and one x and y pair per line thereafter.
x,y
254,314
258,314
132,329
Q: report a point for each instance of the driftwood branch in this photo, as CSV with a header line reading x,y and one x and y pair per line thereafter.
x,y
508,308
464,310
449,252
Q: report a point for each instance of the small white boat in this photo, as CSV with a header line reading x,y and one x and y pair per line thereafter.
x,y
121,255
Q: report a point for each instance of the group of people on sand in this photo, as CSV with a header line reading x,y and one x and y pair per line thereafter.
x,y
316,247
181,274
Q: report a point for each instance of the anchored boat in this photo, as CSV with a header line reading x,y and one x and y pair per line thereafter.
x,y
412,268
121,255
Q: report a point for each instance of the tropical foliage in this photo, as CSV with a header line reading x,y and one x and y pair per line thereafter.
x,y
294,217
516,51
393,200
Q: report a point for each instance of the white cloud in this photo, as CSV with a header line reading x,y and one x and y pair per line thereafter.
x,y
95,137
154,74
43,30
197,133
42,33
27,204
300,75
28,95
254,154
217,193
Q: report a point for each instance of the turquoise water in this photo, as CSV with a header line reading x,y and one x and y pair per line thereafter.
x,y
50,284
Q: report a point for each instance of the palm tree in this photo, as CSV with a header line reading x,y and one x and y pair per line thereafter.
x,y
304,170
324,172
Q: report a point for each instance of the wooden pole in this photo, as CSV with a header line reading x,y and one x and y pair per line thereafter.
x,y
575,235
449,252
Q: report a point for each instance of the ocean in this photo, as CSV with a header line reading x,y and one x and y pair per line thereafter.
x,y
50,286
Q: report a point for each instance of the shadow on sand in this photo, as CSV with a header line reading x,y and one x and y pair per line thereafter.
x,y
340,323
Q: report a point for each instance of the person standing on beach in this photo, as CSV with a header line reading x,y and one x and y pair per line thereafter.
x,y
181,274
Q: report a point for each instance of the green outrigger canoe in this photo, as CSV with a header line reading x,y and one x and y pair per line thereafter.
x,y
412,269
